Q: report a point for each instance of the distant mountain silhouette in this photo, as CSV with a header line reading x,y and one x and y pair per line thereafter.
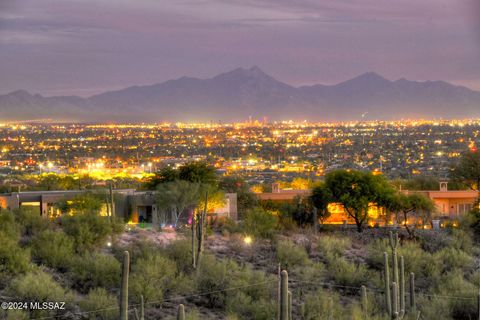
x,y
240,93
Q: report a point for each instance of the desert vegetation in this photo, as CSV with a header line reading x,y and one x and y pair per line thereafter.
x,y
276,261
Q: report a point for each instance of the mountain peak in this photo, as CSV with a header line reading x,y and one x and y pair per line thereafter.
x,y
371,76
22,93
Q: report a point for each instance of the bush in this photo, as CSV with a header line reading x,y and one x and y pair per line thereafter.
x,y
416,260
93,270
291,255
453,284
249,301
88,230
450,259
260,223
246,307
180,251
322,306
99,299
331,246
13,259
138,249
151,277
53,248
213,277
31,222
38,286
347,273
14,315
8,226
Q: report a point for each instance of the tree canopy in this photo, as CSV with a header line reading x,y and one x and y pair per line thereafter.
x,y
467,170
193,171
356,191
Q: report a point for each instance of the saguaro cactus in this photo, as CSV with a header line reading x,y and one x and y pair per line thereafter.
x,y
386,280
393,246
284,295
364,302
112,200
194,260
201,230
402,284
395,311
290,313
478,305
142,308
181,312
124,286
412,291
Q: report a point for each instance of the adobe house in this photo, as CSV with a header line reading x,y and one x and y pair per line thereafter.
x,y
134,206
450,204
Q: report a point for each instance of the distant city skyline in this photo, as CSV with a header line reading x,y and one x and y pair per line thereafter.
x,y
85,47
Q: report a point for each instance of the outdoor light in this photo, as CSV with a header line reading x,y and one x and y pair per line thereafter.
x,y
247,240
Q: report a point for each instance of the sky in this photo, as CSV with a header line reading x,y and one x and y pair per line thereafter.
x,y
84,47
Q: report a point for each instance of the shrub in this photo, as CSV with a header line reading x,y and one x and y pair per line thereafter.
x,y
88,230
31,222
246,307
347,273
100,299
180,251
38,286
450,259
8,226
93,270
452,284
53,248
260,223
151,277
14,315
213,277
13,259
138,249
291,255
312,272
331,246
321,306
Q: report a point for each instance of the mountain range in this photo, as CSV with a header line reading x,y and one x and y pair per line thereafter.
x,y
244,92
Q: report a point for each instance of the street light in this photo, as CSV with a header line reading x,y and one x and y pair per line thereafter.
x,y
149,167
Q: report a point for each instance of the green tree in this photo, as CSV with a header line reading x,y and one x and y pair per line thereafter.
x,y
164,175
178,196
198,171
83,203
260,223
467,170
321,197
412,204
49,181
356,191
